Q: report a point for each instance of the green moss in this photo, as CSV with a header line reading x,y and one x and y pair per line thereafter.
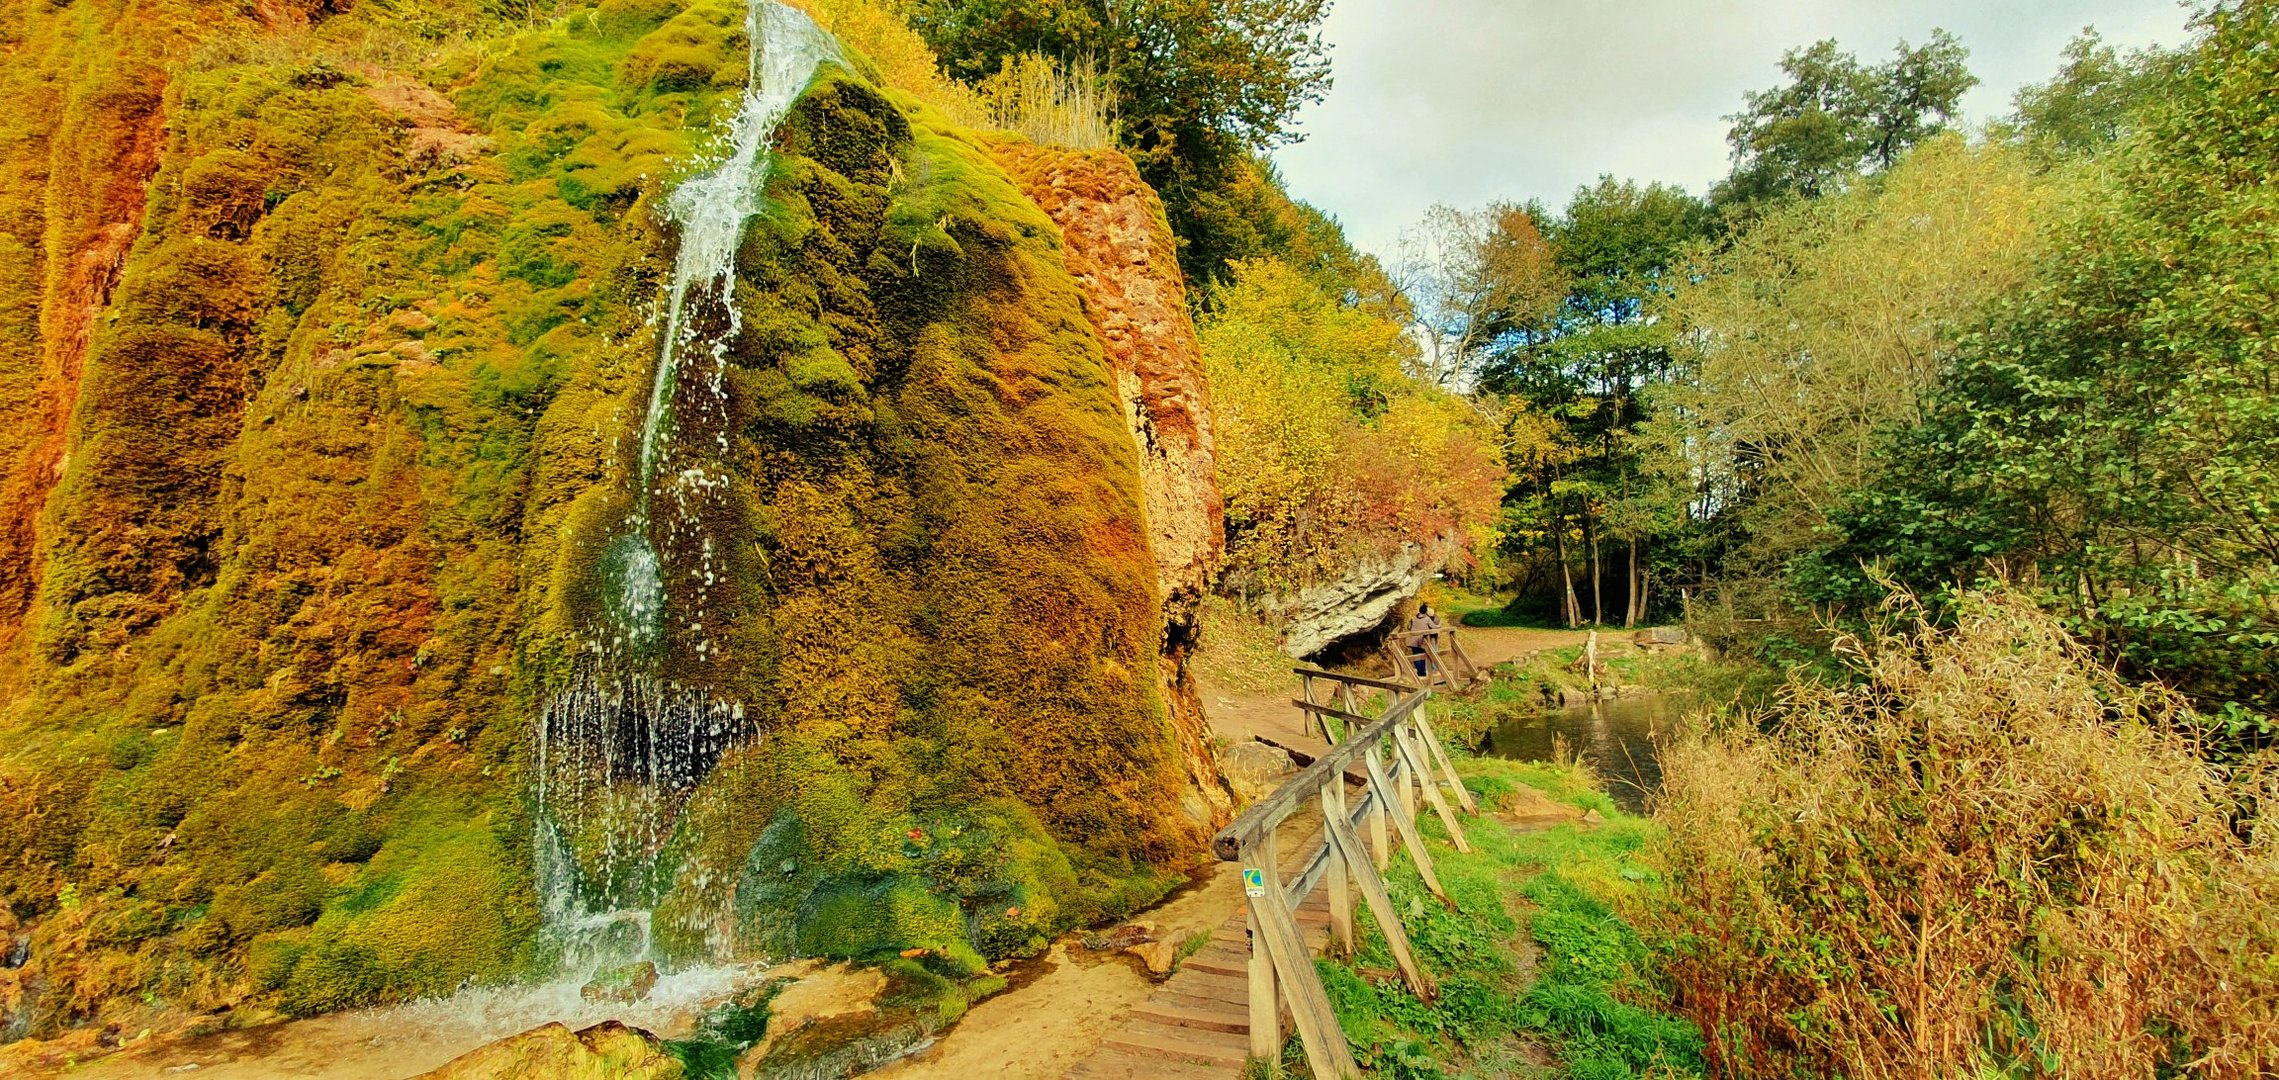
x,y
443,902
350,443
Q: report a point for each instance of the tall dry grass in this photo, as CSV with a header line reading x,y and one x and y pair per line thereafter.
x,y
1050,102
1989,857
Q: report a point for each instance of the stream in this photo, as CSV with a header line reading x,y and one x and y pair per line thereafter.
x,y
1620,739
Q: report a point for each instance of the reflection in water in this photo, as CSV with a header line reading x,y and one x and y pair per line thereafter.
x,y
1618,738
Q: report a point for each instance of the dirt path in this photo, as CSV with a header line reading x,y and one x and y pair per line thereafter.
x,y
1044,1028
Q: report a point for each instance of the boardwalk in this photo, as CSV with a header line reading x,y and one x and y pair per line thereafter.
x,y
1197,1024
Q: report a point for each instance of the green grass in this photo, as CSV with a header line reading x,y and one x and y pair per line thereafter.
x,y
1534,960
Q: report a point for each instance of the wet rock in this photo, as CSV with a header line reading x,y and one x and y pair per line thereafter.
x,y
841,994
605,1051
1157,956
626,984
18,952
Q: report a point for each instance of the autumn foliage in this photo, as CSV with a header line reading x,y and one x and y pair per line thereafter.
x,y
1328,450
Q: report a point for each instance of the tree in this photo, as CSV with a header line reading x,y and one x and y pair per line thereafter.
x,y
1469,277
1591,362
2093,101
1199,86
1327,450
2110,436
1823,322
1836,117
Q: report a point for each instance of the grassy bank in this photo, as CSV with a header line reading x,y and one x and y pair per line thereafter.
x,y
1539,971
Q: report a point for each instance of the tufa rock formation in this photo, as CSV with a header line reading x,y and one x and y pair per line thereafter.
x,y
322,366
1123,254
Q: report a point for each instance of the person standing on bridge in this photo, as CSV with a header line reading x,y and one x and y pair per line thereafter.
x,y
1424,622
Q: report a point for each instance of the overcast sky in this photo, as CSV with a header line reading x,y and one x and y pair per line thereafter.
x,y
1468,101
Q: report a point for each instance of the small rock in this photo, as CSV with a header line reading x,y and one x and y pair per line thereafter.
x,y
1127,936
1254,767
1593,817
1157,955
624,985
607,1049
19,952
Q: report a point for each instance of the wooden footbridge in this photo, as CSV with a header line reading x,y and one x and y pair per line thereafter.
x,y
1229,1003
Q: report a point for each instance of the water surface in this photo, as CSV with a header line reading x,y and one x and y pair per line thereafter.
x,y
1618,738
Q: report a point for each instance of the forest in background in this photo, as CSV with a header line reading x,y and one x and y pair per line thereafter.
x,y
1890,352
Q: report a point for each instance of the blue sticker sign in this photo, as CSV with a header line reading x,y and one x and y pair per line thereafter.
x,y
1253,882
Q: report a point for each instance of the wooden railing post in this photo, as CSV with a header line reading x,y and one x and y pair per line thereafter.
x,y
1405,823
1413,760
1340,889
1439,753
1293,975
1265,1003
1380,901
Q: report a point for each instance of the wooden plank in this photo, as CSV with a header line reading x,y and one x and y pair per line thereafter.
x,y
1216,961
1405,743
1204,1018
1440,754
1238,1005
1406,826
1179,1044
1357,680
1115,1063
1211,985
1326,1050
1340,892
1381,909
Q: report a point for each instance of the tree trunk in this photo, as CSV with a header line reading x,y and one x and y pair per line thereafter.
x,y
1630,611
1568,612
1598,607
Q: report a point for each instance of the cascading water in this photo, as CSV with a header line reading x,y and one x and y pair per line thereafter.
x,y
620,748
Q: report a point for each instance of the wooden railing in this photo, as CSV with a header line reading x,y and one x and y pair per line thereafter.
x,y
1399,756
1446,664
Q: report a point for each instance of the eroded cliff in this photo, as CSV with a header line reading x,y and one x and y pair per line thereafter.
x,y
328,530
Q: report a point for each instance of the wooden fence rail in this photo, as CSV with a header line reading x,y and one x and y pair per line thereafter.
x,y
1399,757
1446,664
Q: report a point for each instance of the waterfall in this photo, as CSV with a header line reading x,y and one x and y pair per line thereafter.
x,y
620,747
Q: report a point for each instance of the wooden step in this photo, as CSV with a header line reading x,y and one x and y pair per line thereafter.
x,y
1217,961
1117,1064
1210,984
1180,1043
1170,995
1222,1017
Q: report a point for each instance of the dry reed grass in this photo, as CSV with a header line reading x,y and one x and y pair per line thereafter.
x,y
1988,857
1049,102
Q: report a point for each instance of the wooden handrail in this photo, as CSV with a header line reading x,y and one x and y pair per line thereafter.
x,y
1281,969
1378,684
1267,813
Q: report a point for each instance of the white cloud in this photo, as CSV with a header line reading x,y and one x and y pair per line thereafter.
x,y
1464,101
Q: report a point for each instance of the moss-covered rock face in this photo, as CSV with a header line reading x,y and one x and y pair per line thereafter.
x,y
350,413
